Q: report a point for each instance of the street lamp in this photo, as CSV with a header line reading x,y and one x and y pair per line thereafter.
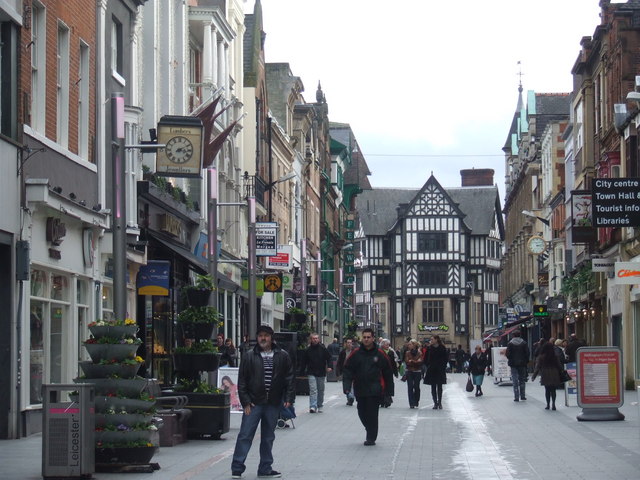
x,y
284,178
529,213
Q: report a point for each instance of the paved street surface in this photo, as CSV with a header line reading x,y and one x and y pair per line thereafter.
x,y
489,437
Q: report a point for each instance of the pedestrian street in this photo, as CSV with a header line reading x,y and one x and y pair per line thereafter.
x,y
480,438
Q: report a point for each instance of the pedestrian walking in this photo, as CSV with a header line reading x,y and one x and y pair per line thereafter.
x,y
436,373
413,360
574,344
518,358
477,365
460,358
369,370
265,385
344,353
385,346
316,364
549,368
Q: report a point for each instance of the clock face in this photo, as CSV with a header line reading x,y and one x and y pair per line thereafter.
x,y
536,245
179,149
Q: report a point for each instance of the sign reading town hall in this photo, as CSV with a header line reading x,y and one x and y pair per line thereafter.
x,y
616,202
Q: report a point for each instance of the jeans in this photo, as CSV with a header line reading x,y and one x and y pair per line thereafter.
x,y
519,379
413,387
316,391
267,416
368,413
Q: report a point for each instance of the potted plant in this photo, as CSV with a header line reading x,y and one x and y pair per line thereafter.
x,y
198,294
196,356
199,322
210,408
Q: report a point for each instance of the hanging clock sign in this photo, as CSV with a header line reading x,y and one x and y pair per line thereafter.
x,y
536,245
182,154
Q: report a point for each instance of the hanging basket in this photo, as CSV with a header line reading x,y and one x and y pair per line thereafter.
x,y
95,370
116,331
199,331
198,298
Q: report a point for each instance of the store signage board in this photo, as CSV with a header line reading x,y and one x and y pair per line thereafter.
x,y
602,265
266,239
616,202
627,273
599,381
281,260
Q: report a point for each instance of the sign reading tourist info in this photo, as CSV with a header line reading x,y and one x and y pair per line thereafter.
x,y
616,202
599,377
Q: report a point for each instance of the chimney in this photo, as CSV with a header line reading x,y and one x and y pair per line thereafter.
x,y
480,177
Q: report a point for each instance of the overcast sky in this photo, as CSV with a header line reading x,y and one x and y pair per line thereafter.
x,y
427,86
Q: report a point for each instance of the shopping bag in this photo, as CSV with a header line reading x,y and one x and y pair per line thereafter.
x,y
469,387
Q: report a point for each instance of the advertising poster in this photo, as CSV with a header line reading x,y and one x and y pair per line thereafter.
x,y
571,387
228,381
499,363
599,377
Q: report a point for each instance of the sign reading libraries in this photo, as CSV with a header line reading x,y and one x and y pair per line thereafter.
x,y
616,202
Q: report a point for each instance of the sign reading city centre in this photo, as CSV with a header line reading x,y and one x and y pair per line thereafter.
x,y
616,202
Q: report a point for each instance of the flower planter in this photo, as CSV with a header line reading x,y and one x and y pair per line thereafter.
x,y
125,455
116,386
103,419
199,331
198,298
210,414
104,403
113,331
123,436
196,362
106,351
95,370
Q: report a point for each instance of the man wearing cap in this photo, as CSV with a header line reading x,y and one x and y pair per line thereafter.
x,y
265,381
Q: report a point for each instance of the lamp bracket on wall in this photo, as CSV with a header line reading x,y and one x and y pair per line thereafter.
x,y
30,152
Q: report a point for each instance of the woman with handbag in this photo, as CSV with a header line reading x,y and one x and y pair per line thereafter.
x,y
436,359
413,361
549,368
477,366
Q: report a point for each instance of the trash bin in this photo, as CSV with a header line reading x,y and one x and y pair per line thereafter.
x,y
68,430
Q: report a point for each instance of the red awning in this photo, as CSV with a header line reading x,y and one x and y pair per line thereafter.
x,y
509,330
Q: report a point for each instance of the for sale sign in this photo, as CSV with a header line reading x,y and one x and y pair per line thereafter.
x,y
599,372
266,239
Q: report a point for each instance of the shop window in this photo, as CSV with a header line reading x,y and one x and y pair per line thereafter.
x,y
107,302
36,352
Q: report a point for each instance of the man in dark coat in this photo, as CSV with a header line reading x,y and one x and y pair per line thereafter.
x,y
518,355
369,370
316,363
265,381
573,345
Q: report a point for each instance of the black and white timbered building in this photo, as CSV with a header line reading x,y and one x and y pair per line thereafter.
x,y
431,258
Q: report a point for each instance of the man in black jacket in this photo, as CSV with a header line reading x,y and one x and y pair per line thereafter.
x,y
518,355
317,362
265,381
369,369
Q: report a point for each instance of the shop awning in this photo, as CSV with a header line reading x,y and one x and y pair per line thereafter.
x,y
509,330
200,263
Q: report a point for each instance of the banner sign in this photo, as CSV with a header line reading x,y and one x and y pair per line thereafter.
x,y
282,260
582,230
627,273
599,377
616,202
602,264
153,278
266,239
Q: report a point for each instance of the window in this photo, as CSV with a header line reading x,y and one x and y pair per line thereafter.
x,y
359,282
117,51
51,350
83,102
386,247
36,116
432,242
432,275
8,79
62,115
383,282
432,311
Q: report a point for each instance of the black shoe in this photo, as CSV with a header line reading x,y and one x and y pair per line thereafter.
x,y
547,407
271,474
411,406
553,407
368,443
523,398
350,402
516,399
435,406
439,406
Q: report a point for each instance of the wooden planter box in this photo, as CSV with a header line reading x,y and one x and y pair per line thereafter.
x,y
210,414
